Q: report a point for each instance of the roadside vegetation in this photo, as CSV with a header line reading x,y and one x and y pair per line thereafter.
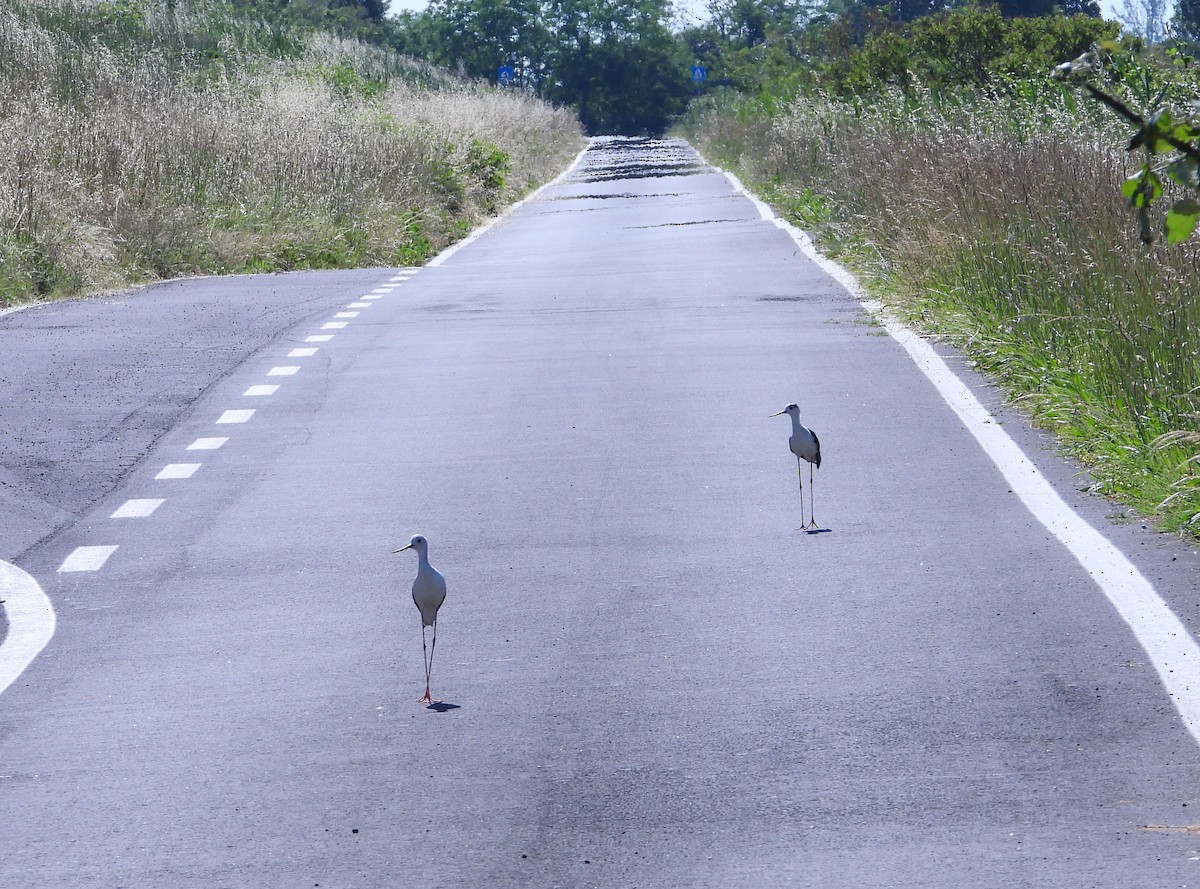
x,y
990,204
144,140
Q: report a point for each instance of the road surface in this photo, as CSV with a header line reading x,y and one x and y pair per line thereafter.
x,y
649,677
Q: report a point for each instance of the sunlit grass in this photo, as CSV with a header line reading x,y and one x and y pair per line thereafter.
x,y
141,142
998,225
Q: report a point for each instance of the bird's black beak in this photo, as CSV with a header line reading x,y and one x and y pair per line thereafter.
x,y
776,415
402,549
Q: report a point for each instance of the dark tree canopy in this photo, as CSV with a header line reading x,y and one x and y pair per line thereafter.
x,y
615,61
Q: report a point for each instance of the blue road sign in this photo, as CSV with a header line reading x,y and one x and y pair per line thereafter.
x,y
699,73
505,75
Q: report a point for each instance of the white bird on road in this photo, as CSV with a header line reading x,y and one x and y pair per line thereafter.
x,y
806,446
428,592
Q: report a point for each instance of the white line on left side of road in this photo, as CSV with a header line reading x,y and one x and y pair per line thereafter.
x,y
31,622
1167,642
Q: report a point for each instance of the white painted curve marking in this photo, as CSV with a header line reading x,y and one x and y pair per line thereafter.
x,y
86,558
31,622
137,509
1171,648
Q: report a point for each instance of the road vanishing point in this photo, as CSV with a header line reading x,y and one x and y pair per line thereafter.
x,y
650,679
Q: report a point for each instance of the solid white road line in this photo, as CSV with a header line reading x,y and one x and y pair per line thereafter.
x,y
532,196
207,444
1171,648
87,558
31,622
236,416
136,509
260,391
178,470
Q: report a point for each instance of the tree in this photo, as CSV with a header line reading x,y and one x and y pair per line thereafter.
x,y
615,61
745,24
1146,19
1186,21
475,37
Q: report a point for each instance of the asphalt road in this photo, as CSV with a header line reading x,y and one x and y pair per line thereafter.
x,y
650,677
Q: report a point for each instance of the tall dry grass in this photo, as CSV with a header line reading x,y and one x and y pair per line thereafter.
x,y
999,224
170,145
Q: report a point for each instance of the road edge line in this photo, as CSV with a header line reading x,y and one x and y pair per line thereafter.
x,y
1171,648
486,226
31,622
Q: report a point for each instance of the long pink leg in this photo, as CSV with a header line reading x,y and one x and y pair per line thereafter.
x,y
812,509
425,656
800,477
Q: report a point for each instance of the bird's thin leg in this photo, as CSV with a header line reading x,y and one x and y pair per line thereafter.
x,y
426,699
812,509
800,476
432,649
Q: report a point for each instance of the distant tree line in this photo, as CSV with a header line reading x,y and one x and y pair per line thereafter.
x,y
624,65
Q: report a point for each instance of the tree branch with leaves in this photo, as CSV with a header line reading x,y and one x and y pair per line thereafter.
x,y
1170,143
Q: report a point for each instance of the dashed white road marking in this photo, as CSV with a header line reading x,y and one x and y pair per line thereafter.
x,y
1167,642
87,558
261,390
359,306
207,444
178,470
380,291
334,325
346,315
137,509
319,338
283,371
371,296
302,353
241,416
31,622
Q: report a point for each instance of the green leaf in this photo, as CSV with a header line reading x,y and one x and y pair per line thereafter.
x,y
1185,171
1181,221
1142,189
1185,132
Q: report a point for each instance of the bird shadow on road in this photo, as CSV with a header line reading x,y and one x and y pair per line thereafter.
x,y
443,707
816,530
